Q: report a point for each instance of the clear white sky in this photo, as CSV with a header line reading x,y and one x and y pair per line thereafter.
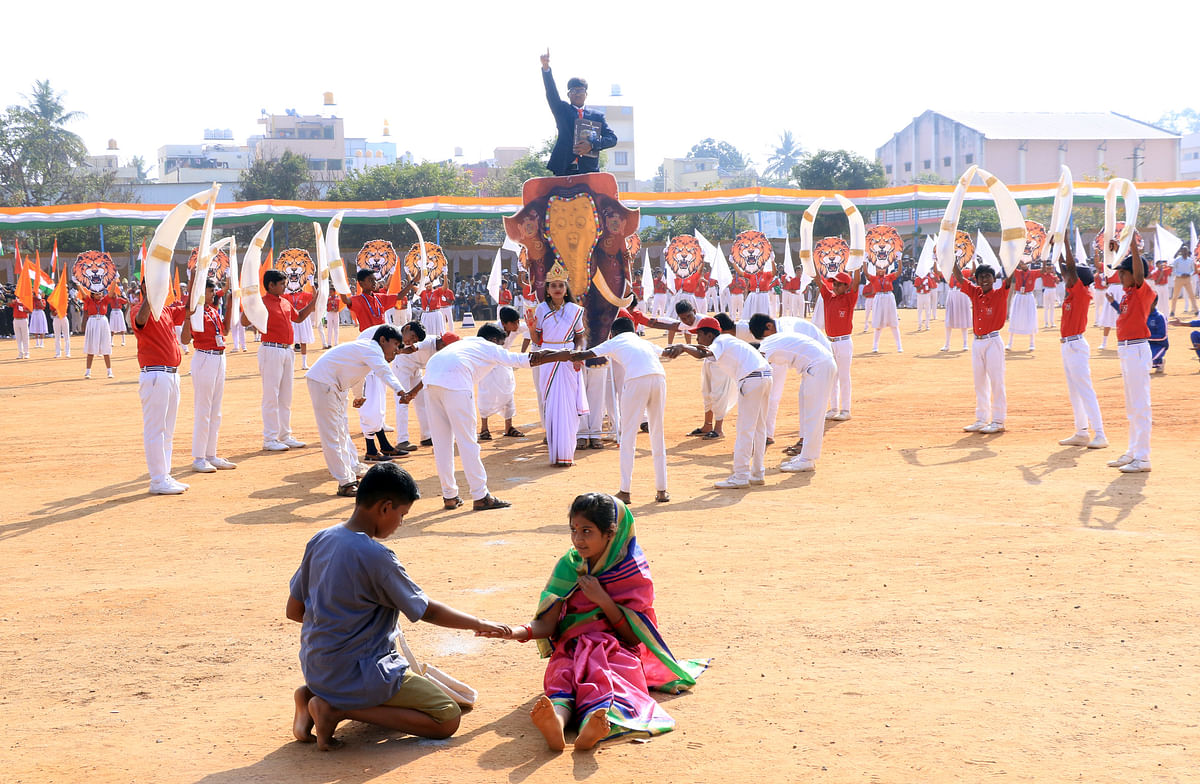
x,y
466,74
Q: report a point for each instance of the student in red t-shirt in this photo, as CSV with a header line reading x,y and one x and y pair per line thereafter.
x,y
275,362
1076,353
158,388
435,303
838,300
883,312
208,378
1133,349
97,334
332,336
989,307
1049,294
21,328
926,287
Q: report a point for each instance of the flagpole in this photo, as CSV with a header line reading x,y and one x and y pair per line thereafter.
x,y
101,237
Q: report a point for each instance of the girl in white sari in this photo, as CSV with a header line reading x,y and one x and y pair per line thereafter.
x,y
558,325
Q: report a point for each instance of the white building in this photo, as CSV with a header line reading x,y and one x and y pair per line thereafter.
x,y
620,159
1189,157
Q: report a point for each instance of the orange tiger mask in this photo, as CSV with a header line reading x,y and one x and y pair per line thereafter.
x,y
218,268
751,252
684,255
884,246
831,253
380,257
436,265
94,271
298,269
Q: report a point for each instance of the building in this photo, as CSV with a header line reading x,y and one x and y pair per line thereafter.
x,y
619,160
1024,147
216,160
320,139
689,174
1189,157
362,154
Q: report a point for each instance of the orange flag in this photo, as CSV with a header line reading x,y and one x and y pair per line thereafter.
x,y
54,259
58,297
268,264
174,295
24,285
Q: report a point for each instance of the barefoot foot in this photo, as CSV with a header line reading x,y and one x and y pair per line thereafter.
x,y
547,722
595,729
325,720
302,724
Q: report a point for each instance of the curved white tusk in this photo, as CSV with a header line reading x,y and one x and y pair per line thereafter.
x,y
1012,222
156,269
204,256
602,286
252,303
807,264
202,279
858,233
949,225
1129,195
322,279
421,250
235,285
1060,216
333,256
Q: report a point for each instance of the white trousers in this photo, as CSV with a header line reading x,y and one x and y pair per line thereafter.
x,y
926,308
332,336
62,336
716,390
750,446
1135,373
778,382
660,304
839,394
333,427
645,394
208,387
987,362
598,388
816,386
159,393
275,368
420,403
21,330
1049,304
237,335
372,413
736,303
452,421
1077,367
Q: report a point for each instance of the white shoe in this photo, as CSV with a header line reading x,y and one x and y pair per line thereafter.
x,y
1136,467
875,350
944,348
56,356
992,427
388,429
899,350
842,416
1075,440
730,484
165,488
1099,442
275,446
1120,461
221,463
293,443
173,481
797,465
974,427
831,414
86,373
110,375
758,482
361,469
201,466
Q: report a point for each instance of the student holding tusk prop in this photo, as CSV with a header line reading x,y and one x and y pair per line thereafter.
x,y
989,307
1133,350
1076,353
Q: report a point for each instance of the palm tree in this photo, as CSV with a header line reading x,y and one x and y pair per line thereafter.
x,y
39,152
787,154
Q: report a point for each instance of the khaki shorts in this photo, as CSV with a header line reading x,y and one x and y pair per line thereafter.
x,y
421,694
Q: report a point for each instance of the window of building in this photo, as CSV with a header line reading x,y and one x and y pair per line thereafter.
x,y
328,131
946,161
927,163
889,168
699,167
622,186
334,164
969,158
908,166
621,158
316,164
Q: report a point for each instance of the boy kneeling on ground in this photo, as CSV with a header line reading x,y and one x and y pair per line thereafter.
x,y
348,594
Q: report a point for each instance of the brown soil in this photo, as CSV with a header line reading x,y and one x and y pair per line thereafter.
x,y
929,605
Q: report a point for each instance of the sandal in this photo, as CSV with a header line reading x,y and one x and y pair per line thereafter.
x,y
485,435
662,496
770,442
489,502
512,432
393,452
348,490
452,503
645,427
711,434
375,457
699,432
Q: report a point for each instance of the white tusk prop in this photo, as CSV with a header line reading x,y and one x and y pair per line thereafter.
x,y
156,269
858,233
1129,195
807,265
949,225
322,281
235,285
202,279
1012,222
337,268
252,303
203,259
1060,216
421,250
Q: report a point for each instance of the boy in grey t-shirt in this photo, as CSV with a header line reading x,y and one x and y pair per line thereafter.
x,y
348,593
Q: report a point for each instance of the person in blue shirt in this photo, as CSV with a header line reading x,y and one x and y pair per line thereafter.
x,y
349,593
1158,339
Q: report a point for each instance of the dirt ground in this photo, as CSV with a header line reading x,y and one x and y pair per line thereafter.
x,y
928,606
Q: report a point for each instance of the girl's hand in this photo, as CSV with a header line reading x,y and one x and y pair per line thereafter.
x,y
492,629
592,588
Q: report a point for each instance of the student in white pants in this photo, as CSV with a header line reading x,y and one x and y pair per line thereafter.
x,y
62,334
275,363
814,362
1076,357
1134,352
21,329
752,375
598,387
208,380
158,389
1049,294
839,295
331,335
338,371
450,379
497,389
643,391
989,307
409,366
237,337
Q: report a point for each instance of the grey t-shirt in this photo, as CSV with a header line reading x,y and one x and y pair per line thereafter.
x,y
353,589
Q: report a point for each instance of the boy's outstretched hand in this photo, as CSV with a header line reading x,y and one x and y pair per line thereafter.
x,y
493,629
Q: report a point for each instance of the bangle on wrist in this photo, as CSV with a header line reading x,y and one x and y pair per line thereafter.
x,y
528,632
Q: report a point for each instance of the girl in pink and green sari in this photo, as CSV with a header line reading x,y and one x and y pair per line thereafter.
x,y
596,624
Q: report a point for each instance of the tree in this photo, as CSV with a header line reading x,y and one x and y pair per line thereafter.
x,y
730,160
140,173
407,181
511,180
39,157
1181,121
286,177
834,170
716,226
784,160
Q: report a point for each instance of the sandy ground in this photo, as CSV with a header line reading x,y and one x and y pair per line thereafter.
x,y
928,606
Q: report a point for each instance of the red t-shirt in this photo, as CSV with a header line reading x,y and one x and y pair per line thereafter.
x,y
793,283
432,299
636,316
156,341
331,305
213,326
763,281
19,311
1135,307
280,315
690,283
368,309
925,284
505,297
527,291
883,282
96,307
1026,281
839,310
299,299
702,287
1049,276
1075,310
1161,275
989,309
660,286
738,285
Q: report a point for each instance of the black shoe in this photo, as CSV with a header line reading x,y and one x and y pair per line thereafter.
x,y
426,442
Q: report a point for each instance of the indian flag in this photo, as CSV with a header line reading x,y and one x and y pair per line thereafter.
x,y
41,281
